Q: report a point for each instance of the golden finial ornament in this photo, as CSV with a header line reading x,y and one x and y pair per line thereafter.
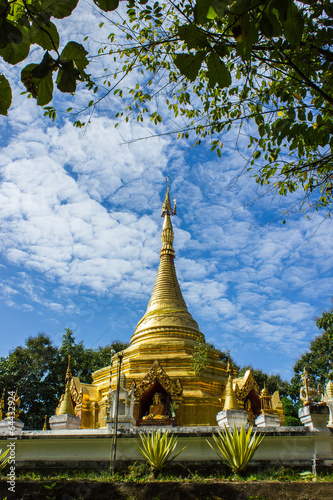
x,y
230,402
68,371
266,401
166,208
45,423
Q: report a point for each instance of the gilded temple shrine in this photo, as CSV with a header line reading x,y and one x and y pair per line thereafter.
x,y
158,382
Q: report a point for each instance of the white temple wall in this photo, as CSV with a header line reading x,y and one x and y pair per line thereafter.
x,y
92,448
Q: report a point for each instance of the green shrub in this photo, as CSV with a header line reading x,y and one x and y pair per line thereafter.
x,y
157,449
236,448
4,459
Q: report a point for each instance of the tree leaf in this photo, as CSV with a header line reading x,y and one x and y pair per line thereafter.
x,y
107,5
18,47
45,90
245,42
75,52
293,25
58,8
221,49
38,80
269,25
217,72
201,10
28,80
44,68
67,76
192,36
45,36
5,95
189,64
9,33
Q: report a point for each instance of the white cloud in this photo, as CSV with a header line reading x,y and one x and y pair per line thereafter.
x,y
80,219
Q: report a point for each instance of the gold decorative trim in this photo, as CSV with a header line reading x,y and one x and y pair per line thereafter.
x,y
156,372
243,390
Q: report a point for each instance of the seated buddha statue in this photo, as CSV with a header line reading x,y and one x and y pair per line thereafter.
x,y
157,409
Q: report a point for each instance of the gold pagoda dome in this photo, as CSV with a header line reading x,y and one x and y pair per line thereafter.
x,y
167,311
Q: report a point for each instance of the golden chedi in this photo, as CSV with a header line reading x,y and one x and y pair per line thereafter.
x,y
159,367
159,358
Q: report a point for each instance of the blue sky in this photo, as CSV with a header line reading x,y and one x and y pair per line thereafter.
x,y
80,233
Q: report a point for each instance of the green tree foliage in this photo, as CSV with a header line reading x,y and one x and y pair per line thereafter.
x,y
24,23
290,409
38,371
215,64
31,369
318,361
273,382
223,63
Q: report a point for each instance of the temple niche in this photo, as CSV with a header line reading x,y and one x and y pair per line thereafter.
x,y
159,385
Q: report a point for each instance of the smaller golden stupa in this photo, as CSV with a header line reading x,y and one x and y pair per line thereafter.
x,y
65,406
230,402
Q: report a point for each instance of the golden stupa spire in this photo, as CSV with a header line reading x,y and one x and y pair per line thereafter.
x,y
166,208
68,371
167,310
65,405
230,402
45,423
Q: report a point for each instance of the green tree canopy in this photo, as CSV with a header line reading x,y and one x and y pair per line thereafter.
x,y
223,63
37,370
215,64
273,382
318,361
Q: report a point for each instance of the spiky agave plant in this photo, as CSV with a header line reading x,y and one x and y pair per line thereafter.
x,y
157,449
3,459
236,448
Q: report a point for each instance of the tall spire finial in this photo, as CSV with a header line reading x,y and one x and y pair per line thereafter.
x,y
68,371
166,208
167,312
229,369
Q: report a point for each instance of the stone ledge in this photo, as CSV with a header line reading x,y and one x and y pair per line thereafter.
x,y
178,431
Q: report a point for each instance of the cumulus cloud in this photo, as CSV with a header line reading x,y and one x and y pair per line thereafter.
x,y
80,233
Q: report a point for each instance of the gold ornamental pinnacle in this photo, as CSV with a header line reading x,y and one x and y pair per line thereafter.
x,y
167,314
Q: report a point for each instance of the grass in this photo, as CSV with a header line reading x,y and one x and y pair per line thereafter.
x,y
140,473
